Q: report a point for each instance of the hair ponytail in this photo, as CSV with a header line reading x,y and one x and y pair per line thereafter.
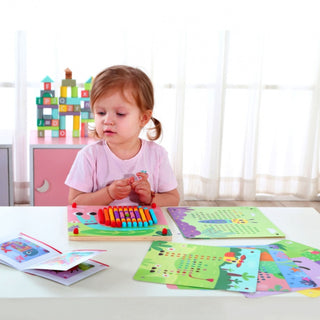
x,y
156,130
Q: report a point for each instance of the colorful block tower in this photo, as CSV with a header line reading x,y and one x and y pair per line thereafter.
x,y
86,115
69,105
47,110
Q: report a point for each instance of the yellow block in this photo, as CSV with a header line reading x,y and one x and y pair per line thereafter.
x,y
63,108
63,92
76,122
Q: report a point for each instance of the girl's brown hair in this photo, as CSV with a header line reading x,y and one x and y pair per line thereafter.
x,y
121,78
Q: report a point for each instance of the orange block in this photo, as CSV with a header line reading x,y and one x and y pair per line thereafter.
x,y
46,100
55,122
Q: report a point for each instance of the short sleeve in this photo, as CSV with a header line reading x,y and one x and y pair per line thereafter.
x,y
82,173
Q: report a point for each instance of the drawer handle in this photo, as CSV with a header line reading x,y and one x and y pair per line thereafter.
x,y
44,187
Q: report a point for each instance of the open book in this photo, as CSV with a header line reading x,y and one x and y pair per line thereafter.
x,y
32,256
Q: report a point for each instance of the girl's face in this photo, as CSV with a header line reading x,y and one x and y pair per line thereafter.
x,y
119,120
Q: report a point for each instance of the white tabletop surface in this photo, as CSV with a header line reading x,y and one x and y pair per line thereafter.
x,y
113,294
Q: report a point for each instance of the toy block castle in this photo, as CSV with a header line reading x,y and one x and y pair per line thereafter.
x,y
52,112
69,105
47,110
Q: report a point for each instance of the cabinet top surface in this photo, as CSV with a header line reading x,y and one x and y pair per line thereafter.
x,y
68,141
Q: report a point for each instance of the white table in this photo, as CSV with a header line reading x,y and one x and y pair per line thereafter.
x,y
113,294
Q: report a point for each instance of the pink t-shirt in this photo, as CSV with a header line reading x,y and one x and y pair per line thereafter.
x,y
96,166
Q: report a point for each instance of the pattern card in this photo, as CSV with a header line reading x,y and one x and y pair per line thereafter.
x,y
287,266
223,222
30,255
199,266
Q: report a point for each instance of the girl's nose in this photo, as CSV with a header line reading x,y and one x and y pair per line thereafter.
x,y
108,120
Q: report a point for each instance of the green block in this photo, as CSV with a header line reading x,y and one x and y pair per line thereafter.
x,y
76,133
54,100
87,120
68,83
88,86
74,92
39,100
50,128
40,122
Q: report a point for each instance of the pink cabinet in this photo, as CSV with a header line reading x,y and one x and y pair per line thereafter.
x,y
50,161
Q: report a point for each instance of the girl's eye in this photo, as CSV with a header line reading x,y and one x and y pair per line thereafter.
x,y
120,114
101,113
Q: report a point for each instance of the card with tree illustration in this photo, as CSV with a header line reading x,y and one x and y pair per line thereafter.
x,y
200,266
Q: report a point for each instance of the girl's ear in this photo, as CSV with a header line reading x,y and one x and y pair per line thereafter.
x,y
145,117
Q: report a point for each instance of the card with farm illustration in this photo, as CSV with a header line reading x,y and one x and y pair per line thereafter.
x,y
223,222
199,266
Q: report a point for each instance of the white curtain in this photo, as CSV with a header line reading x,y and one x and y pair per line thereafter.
x,y
240,109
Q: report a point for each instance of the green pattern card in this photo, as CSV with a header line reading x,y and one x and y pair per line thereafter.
x,y
223,222
200,266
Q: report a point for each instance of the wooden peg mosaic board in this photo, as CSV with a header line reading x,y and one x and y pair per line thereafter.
x,y
84,224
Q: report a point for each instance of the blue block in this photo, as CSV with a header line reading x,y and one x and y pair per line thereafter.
x,y
62,123
55,113
55,133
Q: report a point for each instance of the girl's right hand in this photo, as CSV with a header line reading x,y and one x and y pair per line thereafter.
x,y
120,189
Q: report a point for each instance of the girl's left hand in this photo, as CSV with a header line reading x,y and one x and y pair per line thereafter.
x,y
142,187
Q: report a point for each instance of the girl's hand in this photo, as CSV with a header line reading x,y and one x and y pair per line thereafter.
x,y
120,189
142,187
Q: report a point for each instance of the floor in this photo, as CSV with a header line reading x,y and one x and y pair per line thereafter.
x,y
235,203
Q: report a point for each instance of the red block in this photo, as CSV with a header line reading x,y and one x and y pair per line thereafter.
x,y
84,93
47,86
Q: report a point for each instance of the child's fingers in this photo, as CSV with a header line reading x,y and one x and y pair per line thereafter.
x,y
143,175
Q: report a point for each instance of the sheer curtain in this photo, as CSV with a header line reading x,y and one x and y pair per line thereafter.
x,y
239,109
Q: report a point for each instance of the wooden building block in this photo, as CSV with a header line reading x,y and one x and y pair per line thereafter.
x,y
41,133
63,108
62,133
55,122
77,108
63,92
70,108
84,93
47,86
62,124
55,113
87,104
62,100
68,73
68,82
76,133
46,101
55,133
74,92
54,100
76,122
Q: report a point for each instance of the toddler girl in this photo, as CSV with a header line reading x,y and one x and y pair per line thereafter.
x,y
121,168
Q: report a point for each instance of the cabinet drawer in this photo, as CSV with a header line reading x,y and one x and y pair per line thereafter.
x,y
50,169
